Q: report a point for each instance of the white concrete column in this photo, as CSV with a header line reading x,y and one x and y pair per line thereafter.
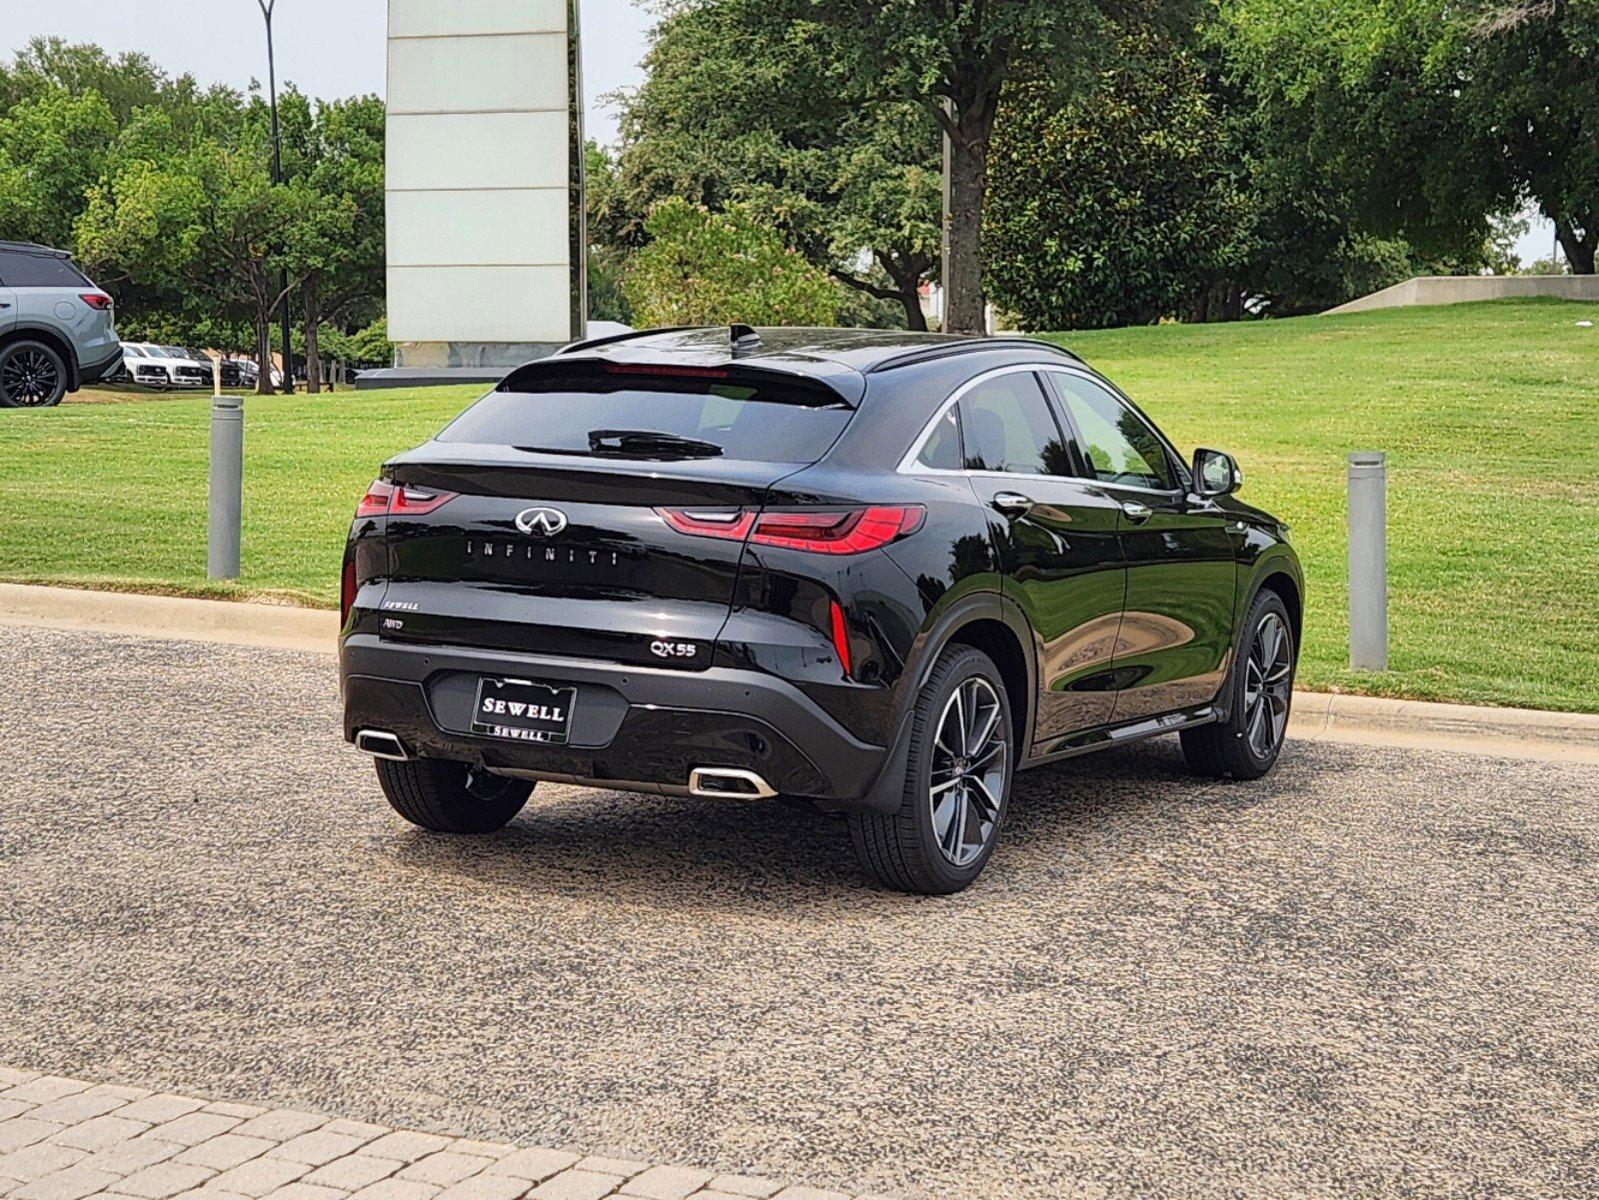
x,y
485,206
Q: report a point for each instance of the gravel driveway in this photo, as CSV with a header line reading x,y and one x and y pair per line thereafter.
x,y
1375,974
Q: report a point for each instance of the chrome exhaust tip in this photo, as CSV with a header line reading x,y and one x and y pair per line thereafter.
x,y
381,744
728,783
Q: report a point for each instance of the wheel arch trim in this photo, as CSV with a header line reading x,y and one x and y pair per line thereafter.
x,y
973,609
26,332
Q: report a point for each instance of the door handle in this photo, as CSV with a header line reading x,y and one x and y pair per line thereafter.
x,y
3,304
1012,504
1137,513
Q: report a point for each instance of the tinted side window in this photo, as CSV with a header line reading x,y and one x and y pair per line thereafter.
x,y
1007,427
1119,446
942,450
37,270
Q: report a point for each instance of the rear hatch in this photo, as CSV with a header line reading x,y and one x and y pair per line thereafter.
x,y
540,520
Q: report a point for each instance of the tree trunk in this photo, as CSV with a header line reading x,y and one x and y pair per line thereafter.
x,y
313,319
263,351
907,279
1579,247
965,306
915,318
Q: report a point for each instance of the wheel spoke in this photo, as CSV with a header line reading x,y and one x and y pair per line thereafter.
x,y
944,814
988,755
955,835
1257,728
985,799
981,740
966,791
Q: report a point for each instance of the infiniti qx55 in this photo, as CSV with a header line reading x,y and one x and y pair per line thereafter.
x,y
880,572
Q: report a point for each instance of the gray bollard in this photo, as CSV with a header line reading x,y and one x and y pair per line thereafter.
x,y
1368,561
227,487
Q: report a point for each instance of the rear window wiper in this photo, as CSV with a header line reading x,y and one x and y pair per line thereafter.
x,y
649,443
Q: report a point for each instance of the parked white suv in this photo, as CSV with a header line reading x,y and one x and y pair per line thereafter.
x,y
164,366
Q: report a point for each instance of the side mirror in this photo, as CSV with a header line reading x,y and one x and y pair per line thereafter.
x,y
1215,474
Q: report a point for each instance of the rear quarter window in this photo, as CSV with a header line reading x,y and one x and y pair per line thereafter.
x,y
19,269
746,419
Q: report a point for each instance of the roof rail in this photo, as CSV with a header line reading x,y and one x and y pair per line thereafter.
x,y
611,339
32,248
930,353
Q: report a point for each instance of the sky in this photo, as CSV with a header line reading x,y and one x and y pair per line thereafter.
x,y
329,48
334,48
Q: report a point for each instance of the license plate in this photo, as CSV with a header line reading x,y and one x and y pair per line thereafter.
x,y
522,711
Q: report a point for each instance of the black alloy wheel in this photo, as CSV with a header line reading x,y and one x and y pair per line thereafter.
x,y
1247,744
1268,684
957,781
31,376
970,761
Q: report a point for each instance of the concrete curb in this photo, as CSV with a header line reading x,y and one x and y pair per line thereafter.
x,y
1320,712
277,626
1319,716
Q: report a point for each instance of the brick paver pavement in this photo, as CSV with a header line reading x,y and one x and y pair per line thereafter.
x,y
67,1139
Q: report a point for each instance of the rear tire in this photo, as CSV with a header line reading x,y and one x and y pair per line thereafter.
x,y
1261,685
953,804
31,376
451,797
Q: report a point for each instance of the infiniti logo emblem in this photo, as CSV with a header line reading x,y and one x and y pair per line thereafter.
x,y
547,521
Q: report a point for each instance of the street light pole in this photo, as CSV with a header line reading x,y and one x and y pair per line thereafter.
x,y
277,178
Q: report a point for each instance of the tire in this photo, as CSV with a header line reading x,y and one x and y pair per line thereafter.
x,y
451,797
1247,744
918,849
32,375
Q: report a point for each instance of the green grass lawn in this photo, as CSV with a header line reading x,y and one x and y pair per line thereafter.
x,y
1489,414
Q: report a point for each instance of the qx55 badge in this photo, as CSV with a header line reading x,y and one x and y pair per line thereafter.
x,y
545,521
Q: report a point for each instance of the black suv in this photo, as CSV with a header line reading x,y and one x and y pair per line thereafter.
x,y
878,571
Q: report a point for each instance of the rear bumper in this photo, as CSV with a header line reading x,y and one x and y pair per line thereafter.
x,y
94,372
635,728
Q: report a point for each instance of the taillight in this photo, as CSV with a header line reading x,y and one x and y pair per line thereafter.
x,y
415,502
731,523
386,499
850,532
98,300
347,590
376,501
815,531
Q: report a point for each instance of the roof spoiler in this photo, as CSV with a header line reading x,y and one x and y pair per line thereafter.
x,y
818,392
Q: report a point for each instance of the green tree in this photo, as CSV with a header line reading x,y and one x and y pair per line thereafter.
x,y
207,221
335,148
53,146
952,59
729,114
1121,206
1437,115
607,253
705,268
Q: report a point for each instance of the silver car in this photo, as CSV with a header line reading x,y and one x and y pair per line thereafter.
x,y
57,330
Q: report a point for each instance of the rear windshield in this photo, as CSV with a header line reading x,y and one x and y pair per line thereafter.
x,y
751,421
21,269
